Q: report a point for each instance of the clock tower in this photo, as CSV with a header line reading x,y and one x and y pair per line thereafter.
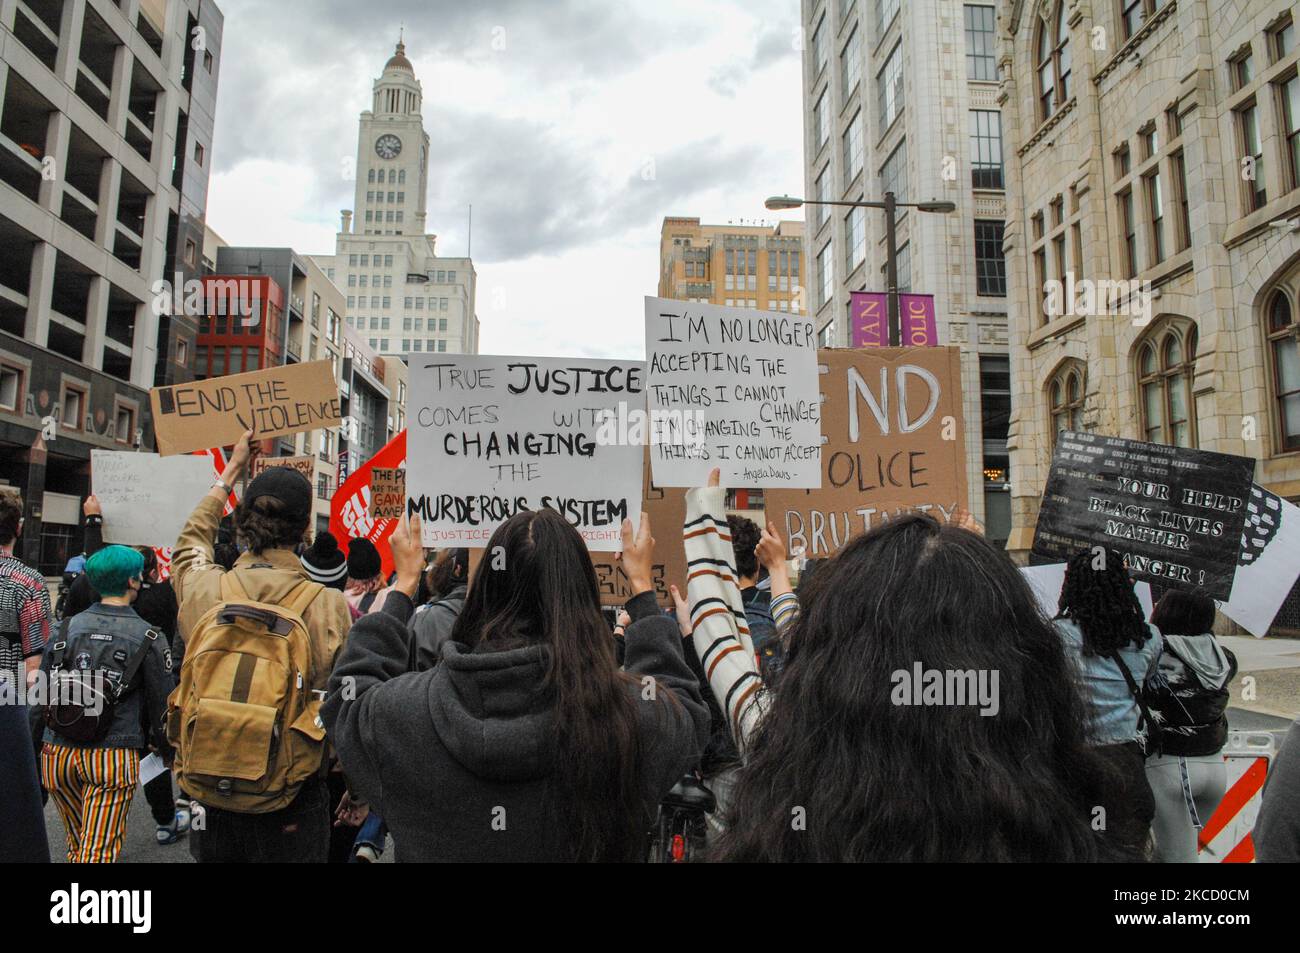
x,y
393,154
403,297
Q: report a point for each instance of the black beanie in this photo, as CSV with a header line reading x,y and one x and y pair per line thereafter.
x,y
363,559
287,485
324,561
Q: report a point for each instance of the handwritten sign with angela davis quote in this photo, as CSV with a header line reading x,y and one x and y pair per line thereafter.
x,y
746,381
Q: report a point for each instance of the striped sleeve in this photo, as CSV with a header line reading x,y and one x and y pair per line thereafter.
x,y
785,610
719,630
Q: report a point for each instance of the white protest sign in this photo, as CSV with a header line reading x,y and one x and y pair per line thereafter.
x,y
748,379
1046,582
488,437
146,498
1268,563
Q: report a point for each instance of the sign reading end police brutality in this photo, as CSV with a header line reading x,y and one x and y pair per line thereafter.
x,y
272,402
732,388
489,437
1174,514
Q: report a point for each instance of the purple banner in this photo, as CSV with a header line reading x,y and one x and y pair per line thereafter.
x,y
870,312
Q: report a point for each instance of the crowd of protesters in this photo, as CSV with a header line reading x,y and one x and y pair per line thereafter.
x,y
307,706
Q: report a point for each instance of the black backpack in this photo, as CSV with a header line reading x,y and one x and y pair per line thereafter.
x,y
79,708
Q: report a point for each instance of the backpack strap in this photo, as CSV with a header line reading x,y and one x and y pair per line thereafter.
x,y
1153,730
233,588
135,661
302,595
59,648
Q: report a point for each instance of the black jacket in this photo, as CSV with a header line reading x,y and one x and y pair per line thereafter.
x,y
459,759
1188,695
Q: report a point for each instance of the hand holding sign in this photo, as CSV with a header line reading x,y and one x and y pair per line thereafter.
x,y
638,554
408,554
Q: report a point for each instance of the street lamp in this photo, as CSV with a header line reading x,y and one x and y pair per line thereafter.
x,y
890,204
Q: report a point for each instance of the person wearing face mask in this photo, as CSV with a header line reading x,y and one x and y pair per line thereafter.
x,y
90,761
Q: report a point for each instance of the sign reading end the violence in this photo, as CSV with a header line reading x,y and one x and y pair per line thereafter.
x,y
494,436
892,420
1174,514
271,402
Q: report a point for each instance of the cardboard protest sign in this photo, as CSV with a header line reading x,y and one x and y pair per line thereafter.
x,y
272,403
735,389
146,498
350,516
1174,514
306,465
1268,563
493,436
387,493
895,442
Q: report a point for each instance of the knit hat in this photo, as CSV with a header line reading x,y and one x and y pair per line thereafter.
x,y
324,562
363,559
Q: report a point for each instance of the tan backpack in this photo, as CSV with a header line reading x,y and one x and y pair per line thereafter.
x,y
243,719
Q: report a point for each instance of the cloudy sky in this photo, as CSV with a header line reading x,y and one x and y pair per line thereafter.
x,y
572,127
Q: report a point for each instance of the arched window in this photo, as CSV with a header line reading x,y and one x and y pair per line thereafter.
x,y
1052,59
1065,396
401,177
1166,366
1284,359
371,176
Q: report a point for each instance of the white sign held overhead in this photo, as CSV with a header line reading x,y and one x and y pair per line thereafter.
x,y
146,498
745,382
488,437
1268,564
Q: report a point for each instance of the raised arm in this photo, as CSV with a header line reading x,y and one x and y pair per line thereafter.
x,y
194,546
719,629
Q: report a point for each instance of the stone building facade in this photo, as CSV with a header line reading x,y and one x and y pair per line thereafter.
x,y
1154,164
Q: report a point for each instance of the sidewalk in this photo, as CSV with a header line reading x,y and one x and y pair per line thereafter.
x,y
1274,666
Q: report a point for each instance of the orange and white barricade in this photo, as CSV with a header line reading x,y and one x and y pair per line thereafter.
x,y
1226,836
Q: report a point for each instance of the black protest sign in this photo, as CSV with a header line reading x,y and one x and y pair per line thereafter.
x,y
1174,514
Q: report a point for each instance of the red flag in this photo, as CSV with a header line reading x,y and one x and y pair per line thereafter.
x,y
219,467
350,505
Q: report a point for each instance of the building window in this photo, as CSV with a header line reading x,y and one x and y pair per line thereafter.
x,y
1253,157
855,239
1179,165
820,48
1053,63
1156,212
72,407
889,88
198,153
1281,40
853,148
990,264
893,174
1129,250
12,391
986,149
191,252
1066,393
124,424
1284,356
851,64
1166,366
886,10
821,193
821,121
981,43
1290,95
825,275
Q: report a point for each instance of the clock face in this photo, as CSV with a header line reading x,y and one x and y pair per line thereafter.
x,y
388,146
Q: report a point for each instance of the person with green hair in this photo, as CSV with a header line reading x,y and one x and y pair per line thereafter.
x,y
92,774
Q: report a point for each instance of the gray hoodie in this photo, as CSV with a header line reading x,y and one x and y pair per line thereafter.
x,y
459,759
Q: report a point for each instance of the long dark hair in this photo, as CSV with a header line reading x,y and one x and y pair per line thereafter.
x,y
838,772
1098,596
545,593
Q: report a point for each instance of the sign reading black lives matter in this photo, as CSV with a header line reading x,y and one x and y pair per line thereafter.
x,y
1174,514
488,437
732,388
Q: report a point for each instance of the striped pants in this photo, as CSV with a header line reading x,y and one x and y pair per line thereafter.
x,y
92,789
